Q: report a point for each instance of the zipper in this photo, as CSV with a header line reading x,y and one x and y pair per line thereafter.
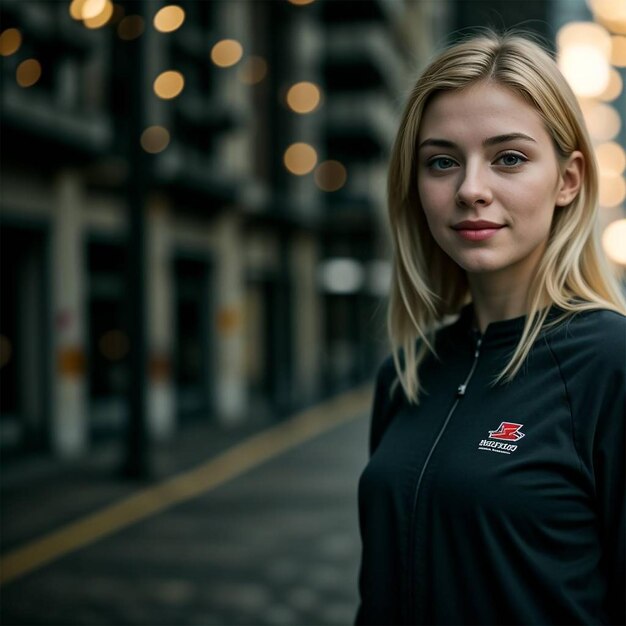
x,y
460,392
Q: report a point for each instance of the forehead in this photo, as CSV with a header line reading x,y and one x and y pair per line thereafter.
x,y
480,110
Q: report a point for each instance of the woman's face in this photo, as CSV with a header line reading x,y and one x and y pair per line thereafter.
x,y
484,154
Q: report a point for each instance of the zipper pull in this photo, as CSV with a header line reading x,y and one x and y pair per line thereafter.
x,y
461,390
478,342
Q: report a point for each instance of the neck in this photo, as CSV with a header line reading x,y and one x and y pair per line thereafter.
x,y
496,307
494,301
503,294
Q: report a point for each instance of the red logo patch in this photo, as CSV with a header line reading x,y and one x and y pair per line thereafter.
x,y
507,431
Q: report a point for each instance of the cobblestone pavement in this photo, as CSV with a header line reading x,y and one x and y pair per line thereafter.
x,y
277,545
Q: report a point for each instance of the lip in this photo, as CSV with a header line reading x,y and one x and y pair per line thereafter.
x,y
477,234
477,230
476,225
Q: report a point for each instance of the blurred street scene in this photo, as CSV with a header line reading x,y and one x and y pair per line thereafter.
x,y
193,251
277,545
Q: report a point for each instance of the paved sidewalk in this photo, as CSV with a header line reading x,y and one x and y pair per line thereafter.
x,y
276,545
62,491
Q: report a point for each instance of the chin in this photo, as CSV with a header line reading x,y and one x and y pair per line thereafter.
x,y
479,266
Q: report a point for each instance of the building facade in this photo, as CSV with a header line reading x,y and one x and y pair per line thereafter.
x,y
262,277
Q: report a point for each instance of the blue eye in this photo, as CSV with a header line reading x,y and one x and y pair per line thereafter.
x,y
441,163
510,159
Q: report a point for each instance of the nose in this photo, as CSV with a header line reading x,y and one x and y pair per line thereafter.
x,y
473,188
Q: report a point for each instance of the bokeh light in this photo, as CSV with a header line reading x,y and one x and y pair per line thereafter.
x,y
301,2
155,139
330,175
99,19
603,121
613,88
169,84
76,9
379,278
584,51
618,51
303,97
611,158
341,275
585,33
28,72
614,241
10,41
253,70
612,13
169,18
226,53
131,27
92,8
585,69
114,345
300,158
612,190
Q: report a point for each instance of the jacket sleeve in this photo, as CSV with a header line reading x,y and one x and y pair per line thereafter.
x,y
596,380
609,477
386,399
387,396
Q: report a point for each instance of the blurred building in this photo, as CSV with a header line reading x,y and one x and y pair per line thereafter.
x,y
265,128
253,136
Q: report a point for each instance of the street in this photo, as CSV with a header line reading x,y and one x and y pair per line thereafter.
x,y
278,544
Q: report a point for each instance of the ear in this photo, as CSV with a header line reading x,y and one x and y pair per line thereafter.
x,y
571,178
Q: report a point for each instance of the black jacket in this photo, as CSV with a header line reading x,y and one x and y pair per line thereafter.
x,y
500,505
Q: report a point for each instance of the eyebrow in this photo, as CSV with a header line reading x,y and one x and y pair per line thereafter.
x,y
490,141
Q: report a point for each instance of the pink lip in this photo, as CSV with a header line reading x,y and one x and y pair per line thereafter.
x,y
472,234
476,225
477,230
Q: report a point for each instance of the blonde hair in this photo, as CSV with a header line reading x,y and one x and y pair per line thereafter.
x,y
427,285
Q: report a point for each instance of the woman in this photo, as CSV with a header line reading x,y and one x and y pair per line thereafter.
x,y
494,493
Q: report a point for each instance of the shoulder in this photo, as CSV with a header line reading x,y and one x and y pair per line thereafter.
x,y
387,368
385,399
596,337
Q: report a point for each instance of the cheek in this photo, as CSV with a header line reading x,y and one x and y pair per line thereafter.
x,y
434,200
534,210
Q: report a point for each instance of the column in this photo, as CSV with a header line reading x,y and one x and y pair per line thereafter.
x,y
229,383
161,409
70,425
307,316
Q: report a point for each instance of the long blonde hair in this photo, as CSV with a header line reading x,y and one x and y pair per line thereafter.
x,y
427,285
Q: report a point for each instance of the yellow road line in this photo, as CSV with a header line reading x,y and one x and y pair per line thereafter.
x,y
215,472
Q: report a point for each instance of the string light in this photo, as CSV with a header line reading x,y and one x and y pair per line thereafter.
x,y
584,51
253,70
613,88
10,42
611,158
97,13
169,84
330,175
28,72
303,97
226,53
300,158
603,121
155,139
613,239
169,18
612,190
76,9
